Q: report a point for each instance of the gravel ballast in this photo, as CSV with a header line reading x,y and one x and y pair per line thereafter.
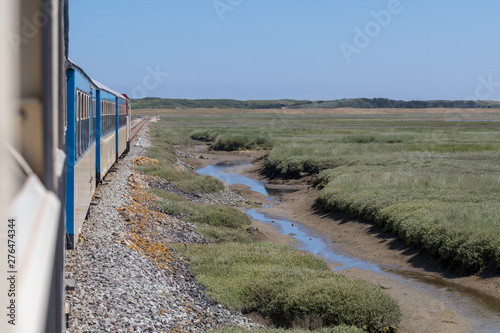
x,y
119,287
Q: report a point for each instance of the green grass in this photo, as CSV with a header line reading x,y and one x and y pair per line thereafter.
x,y
293,287
203,135
241,142
217,223
219,235
433,183
456,218
162,149
186,181
441,197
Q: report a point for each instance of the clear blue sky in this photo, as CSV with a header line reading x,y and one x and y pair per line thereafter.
x,y
299,49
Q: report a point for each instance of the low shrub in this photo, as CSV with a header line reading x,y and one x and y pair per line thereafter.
x,y
196,184
299,166
206,214
293,287
220,235
360,138
220,216
231,142
186,181
203,135
379,138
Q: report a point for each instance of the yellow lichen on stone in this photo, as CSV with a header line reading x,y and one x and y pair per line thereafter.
x,y
141,160
141,223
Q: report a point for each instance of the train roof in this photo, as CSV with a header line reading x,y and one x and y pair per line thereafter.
x,y
101,86
98,84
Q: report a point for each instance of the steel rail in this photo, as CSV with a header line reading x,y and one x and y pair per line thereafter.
x,y
137,128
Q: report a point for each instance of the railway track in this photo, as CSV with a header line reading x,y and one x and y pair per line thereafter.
x,y
137,128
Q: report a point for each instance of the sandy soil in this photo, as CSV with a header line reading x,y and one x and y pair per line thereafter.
x,y
421,312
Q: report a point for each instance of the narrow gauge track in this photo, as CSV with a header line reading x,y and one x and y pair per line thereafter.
x,y
137,128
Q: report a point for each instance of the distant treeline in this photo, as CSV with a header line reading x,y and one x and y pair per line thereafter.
x,y
364,103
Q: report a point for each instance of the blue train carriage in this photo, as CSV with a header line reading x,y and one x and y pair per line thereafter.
x,y
107,131
121,129
80,149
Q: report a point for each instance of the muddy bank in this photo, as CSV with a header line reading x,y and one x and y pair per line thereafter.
x,y
422,312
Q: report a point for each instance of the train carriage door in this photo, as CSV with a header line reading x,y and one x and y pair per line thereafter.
x,y
87,122
76,111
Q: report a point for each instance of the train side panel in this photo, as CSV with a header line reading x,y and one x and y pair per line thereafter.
x,y
84,188
81,151
122,140
108,153
128,121
107,134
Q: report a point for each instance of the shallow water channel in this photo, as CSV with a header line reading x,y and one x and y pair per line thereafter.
x,y
483,311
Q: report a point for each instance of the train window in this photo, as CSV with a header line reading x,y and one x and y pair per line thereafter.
x,y
122,115
80,111
77,129
84,106
106,117
80,123
88,122
113,117
102,118
87,133
94,111
85,123
82,129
